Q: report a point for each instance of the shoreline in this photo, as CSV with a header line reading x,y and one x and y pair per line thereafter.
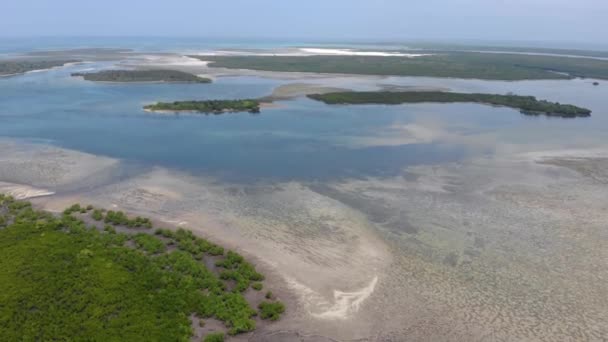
x,y
176,199
331,249
45,69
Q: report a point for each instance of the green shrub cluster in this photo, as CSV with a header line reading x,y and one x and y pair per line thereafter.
x,y
476,65
196,246
62,280
97,215
119,218
22,66
208,106
149,243
142,76
271,310
528,105
75,208
214,337
239,270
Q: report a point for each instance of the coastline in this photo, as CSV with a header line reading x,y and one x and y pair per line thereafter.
x,y
339,263
441,252
45,69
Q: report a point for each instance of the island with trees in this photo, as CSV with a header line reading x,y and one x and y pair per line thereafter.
x,y
528,105
207,106
98,275
455,64
160,75
17,67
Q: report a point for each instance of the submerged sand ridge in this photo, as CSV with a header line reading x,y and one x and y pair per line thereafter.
x,y
510,247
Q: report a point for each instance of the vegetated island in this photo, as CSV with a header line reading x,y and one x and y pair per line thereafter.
x,y
17,67
92,274
527,105
467,65
160,75
207,106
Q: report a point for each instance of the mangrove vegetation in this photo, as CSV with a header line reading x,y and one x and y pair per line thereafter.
x,y
8,68
74,277
468,65
172,76
207,106
528,105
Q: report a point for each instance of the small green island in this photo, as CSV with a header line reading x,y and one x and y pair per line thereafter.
x,y
207,106
160,75
527,105
17,67
102,275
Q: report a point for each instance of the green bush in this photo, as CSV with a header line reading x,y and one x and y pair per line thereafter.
x,y
257,286
271,310
97,215
214,337
149,243
73,209
97,287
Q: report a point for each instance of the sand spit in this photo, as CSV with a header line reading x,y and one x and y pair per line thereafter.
x,y
343,306
22,192
294,90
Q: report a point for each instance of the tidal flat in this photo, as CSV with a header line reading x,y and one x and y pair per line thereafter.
x,y
436,222
487,245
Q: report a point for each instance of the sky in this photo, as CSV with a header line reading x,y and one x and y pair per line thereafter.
x,y
582,21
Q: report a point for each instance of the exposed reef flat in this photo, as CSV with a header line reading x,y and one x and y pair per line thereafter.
x,y
49,167
512,246
157,75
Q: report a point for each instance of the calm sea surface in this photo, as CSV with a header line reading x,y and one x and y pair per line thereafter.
x,y
300,139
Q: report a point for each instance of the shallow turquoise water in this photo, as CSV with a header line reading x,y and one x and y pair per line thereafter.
x,y
299,140
291,142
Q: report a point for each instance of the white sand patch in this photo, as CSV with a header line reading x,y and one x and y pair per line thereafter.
x,y
343,305
173,60
22,192
351,52
565,153
311,51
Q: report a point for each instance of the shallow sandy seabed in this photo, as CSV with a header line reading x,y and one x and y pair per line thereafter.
x,y
492,249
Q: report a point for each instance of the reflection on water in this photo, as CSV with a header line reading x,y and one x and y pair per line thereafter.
x,y
300,139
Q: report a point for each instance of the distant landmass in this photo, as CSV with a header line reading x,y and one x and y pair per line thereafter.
x,y
467,65
17,67
172,76
528,105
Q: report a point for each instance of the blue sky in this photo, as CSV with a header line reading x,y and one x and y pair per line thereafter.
x,y
519,20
